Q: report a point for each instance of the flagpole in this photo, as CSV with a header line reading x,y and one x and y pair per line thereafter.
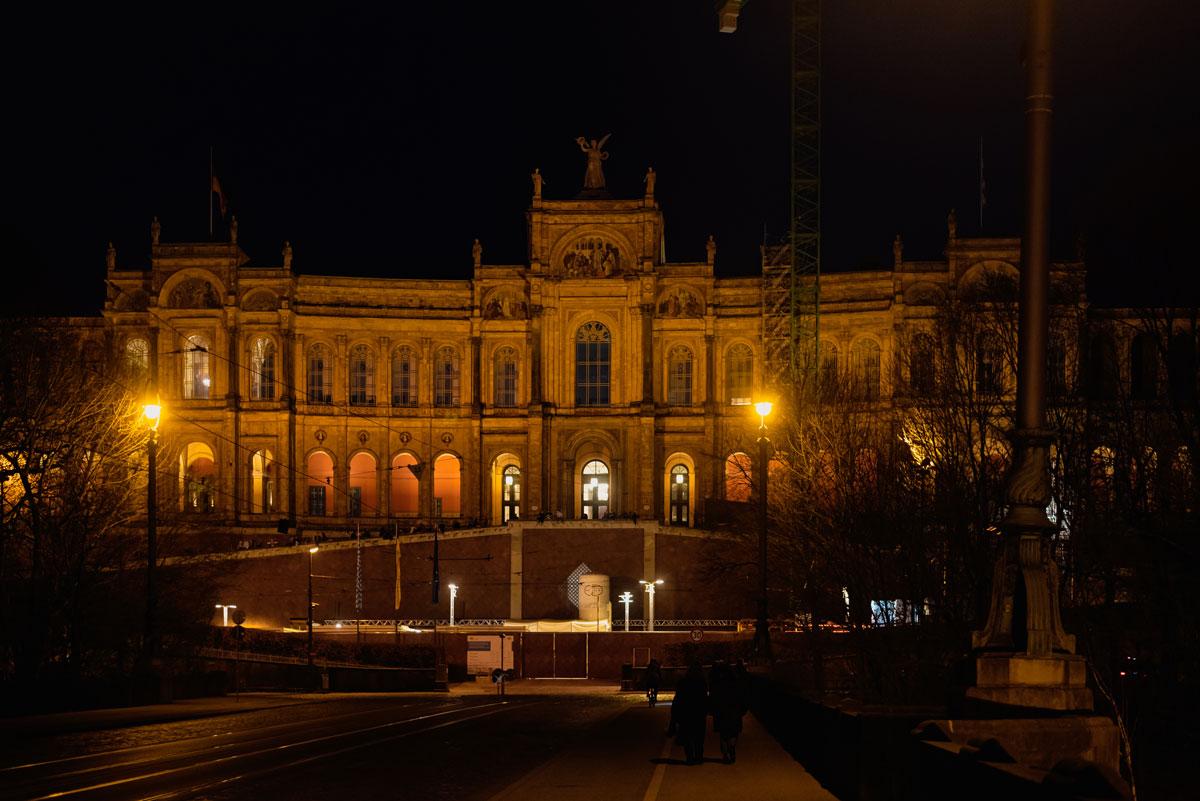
x,y
981,201
210,193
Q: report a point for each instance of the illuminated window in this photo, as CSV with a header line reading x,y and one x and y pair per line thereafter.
x,y
738,477
405,486
1103,471
262,482
593,345
404,377
739,374
447,486
679,377
364,485
445,377
137,355
505,377
320,375
510,494
864,369
262,369
198,476
197,381
319,473
362,376
680,493
595,490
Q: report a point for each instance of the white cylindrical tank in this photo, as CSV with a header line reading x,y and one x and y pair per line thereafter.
x,y
594,603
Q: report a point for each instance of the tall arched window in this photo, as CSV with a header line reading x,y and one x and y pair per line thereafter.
x,y
198,476
510,508
864,369
679,376
920,368
404,376
989,369
680,493
362,376
405,486
197,381
447,486
262,482
1143,368
445,377
364,485
595,490
739,374
320,483
829,371
738,477
137,355
1102,372
1104,463
262,369
504,376
320,374
593,345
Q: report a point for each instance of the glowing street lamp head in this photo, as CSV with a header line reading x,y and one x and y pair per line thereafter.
x,y
763,408
453,586
314,549
152,412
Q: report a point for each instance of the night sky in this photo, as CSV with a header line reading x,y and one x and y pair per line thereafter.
x,y
381,141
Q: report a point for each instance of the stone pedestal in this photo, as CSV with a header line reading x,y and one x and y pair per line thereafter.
x,y
1057,682
1039,743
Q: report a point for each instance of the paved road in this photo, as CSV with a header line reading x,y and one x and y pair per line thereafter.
x,y
539,742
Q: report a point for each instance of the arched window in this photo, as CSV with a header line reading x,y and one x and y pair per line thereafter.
x,y
510,508
404,377
595,490
738,477
362,376
405,486
739,374
1103,466
989,368
680,495
198,476
262,369
364,485
447,486
197,382
920,368
320,483
593,345
1143,473
864,369
1102,368
1056,368
137,355
320,374
504,376
829,371
1143,368
1181,367
262,482
679,376
445,377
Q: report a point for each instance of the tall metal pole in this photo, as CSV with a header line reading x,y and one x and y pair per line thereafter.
x,y
310,608
151,637
762,637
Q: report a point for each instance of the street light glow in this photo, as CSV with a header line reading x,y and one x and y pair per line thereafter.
x,y
763,408
313,549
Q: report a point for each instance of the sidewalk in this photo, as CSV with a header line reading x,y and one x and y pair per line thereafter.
x,y
120,717
630,759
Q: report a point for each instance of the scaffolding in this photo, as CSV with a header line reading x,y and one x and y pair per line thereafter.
x,y
791,267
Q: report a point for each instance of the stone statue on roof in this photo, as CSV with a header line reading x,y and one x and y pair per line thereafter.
x,y
155,231
536,175
594,177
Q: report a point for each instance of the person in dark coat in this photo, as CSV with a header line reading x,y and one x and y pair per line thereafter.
x,y
689,714
653,680
727,701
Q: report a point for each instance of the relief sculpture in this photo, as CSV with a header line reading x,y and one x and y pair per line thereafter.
x,y
680,303
505,307
194,293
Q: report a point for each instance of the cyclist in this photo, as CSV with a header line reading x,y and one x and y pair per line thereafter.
x,y
653,679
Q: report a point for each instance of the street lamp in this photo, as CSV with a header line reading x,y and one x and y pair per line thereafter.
x,y
311,551
153,413
649,587
453,595
225,613
626,598
762,637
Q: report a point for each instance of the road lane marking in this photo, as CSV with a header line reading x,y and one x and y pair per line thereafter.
x,y
660,769
260,751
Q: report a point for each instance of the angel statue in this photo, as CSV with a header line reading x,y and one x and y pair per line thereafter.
x,y
594,178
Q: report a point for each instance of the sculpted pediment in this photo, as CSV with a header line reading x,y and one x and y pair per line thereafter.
x,y
194,293
592,257
261,300
680,302
504,305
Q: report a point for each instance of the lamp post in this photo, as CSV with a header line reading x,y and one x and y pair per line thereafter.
x,y
649,586
453,595
153,413
225,613
311,551
762,637
626,598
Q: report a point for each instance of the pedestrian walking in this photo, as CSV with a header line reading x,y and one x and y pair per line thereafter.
x,y
727,699
653,680
689,714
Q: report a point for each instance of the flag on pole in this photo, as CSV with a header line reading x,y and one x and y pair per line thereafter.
x,y
216,190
